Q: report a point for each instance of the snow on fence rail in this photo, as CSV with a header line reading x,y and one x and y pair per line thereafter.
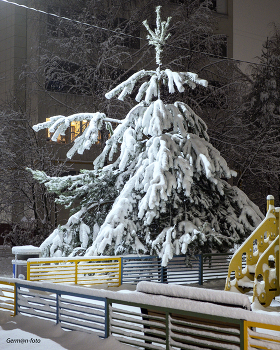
x,y
147,321
154,327
82,271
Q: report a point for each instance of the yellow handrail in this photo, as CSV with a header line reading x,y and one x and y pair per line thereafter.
x,y
260,339
266,283
269,226
81,271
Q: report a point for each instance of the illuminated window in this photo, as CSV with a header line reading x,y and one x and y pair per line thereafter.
x,y
68,77
60,139
76,129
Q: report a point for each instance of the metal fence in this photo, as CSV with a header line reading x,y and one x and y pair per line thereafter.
x,y
7,296
180,270
261,336
72,310
129,320
114,271
145,323
155,327
82,271
136,269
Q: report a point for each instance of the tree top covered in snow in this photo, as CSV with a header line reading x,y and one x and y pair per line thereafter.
x,y
147,91
164,191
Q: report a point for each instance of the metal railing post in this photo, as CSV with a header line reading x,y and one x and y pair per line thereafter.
x,y
15,300
167,330
200,276
57,308
164,274
121,272
159,269
107,318
28,271
243,335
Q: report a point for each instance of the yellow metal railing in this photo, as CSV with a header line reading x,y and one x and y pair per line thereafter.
x,y
266,283
261,336
7,297
81,271
269,227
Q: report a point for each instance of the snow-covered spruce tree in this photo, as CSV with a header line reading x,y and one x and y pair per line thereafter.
x,y
165,193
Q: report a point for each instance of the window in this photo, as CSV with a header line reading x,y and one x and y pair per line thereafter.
x,y
114,125
68,77
213,5
60,139
75,130
219,6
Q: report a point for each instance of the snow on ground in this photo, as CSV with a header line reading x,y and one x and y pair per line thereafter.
x,y
273,309
15,333
27,333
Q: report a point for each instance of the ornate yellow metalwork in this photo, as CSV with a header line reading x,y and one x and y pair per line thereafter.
x,y
261,249
266,282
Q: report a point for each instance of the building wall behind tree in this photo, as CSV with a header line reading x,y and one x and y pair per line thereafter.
x,y
13,37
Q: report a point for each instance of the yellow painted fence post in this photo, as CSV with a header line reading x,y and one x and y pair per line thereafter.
x,y
269,201
76,272
28,271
